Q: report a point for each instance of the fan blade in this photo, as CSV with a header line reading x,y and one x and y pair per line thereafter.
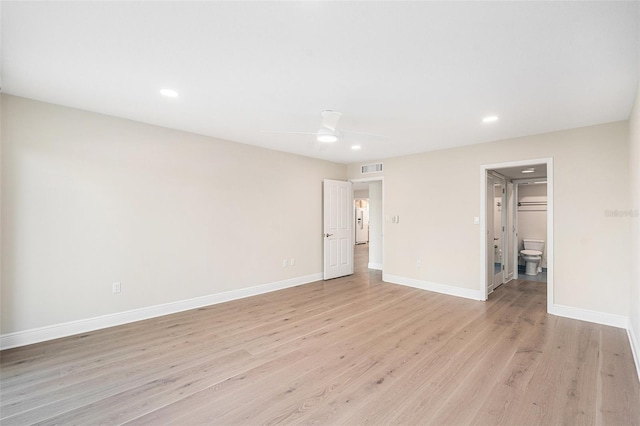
x,y
330,119
353,132
288,133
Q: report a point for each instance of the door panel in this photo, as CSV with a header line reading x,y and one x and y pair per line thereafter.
x,y
496,230
510,233
498,234
490,232
338,230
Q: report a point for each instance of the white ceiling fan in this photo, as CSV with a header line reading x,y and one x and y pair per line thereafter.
x,y
328,132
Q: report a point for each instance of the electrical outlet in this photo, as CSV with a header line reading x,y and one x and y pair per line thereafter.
x,y
476,220
292,261
418,263
116,287
285,262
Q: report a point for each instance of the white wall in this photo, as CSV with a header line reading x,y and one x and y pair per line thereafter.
x,y
375,224
436,226
532,220
634,164
88,200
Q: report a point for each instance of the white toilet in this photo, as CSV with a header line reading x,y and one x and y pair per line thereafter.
x,y
532,255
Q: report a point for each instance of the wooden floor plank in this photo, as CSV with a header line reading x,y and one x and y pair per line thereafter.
x,y
475,390
320,357
420,380
502,399
620,395
64,398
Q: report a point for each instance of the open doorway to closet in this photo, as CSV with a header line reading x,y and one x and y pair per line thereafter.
x,y
517,224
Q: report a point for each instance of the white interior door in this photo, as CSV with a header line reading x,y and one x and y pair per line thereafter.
x,y
499,230
496,230
490,233
338,228
511,209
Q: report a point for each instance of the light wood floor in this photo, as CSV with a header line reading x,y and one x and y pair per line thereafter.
x,y
348,351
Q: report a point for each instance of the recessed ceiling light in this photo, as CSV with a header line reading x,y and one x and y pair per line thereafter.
x,y
327,138
356,147
490,119
529,170
169,93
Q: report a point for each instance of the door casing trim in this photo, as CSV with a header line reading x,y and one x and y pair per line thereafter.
x,y
483,223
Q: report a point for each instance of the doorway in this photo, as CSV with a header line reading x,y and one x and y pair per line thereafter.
x,y
374,190
531,209
499,221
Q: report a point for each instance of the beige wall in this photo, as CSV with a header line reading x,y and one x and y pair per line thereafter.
x,y
361,193
375,222
592,259
634,163
88,200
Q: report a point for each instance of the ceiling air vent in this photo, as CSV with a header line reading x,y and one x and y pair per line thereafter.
x,y
371,168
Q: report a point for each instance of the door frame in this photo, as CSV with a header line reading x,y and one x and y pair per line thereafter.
x,y
375,179
483,222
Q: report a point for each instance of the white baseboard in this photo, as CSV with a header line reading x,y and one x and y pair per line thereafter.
x,y
612,320
435,287
376,266
35,335
635,346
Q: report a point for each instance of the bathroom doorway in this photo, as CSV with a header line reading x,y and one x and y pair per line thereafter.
x,y
531,217
509,191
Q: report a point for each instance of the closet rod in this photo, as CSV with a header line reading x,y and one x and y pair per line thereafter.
x,y
532,203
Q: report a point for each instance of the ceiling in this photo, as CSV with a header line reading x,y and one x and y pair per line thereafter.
x,y
539,171
422,74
